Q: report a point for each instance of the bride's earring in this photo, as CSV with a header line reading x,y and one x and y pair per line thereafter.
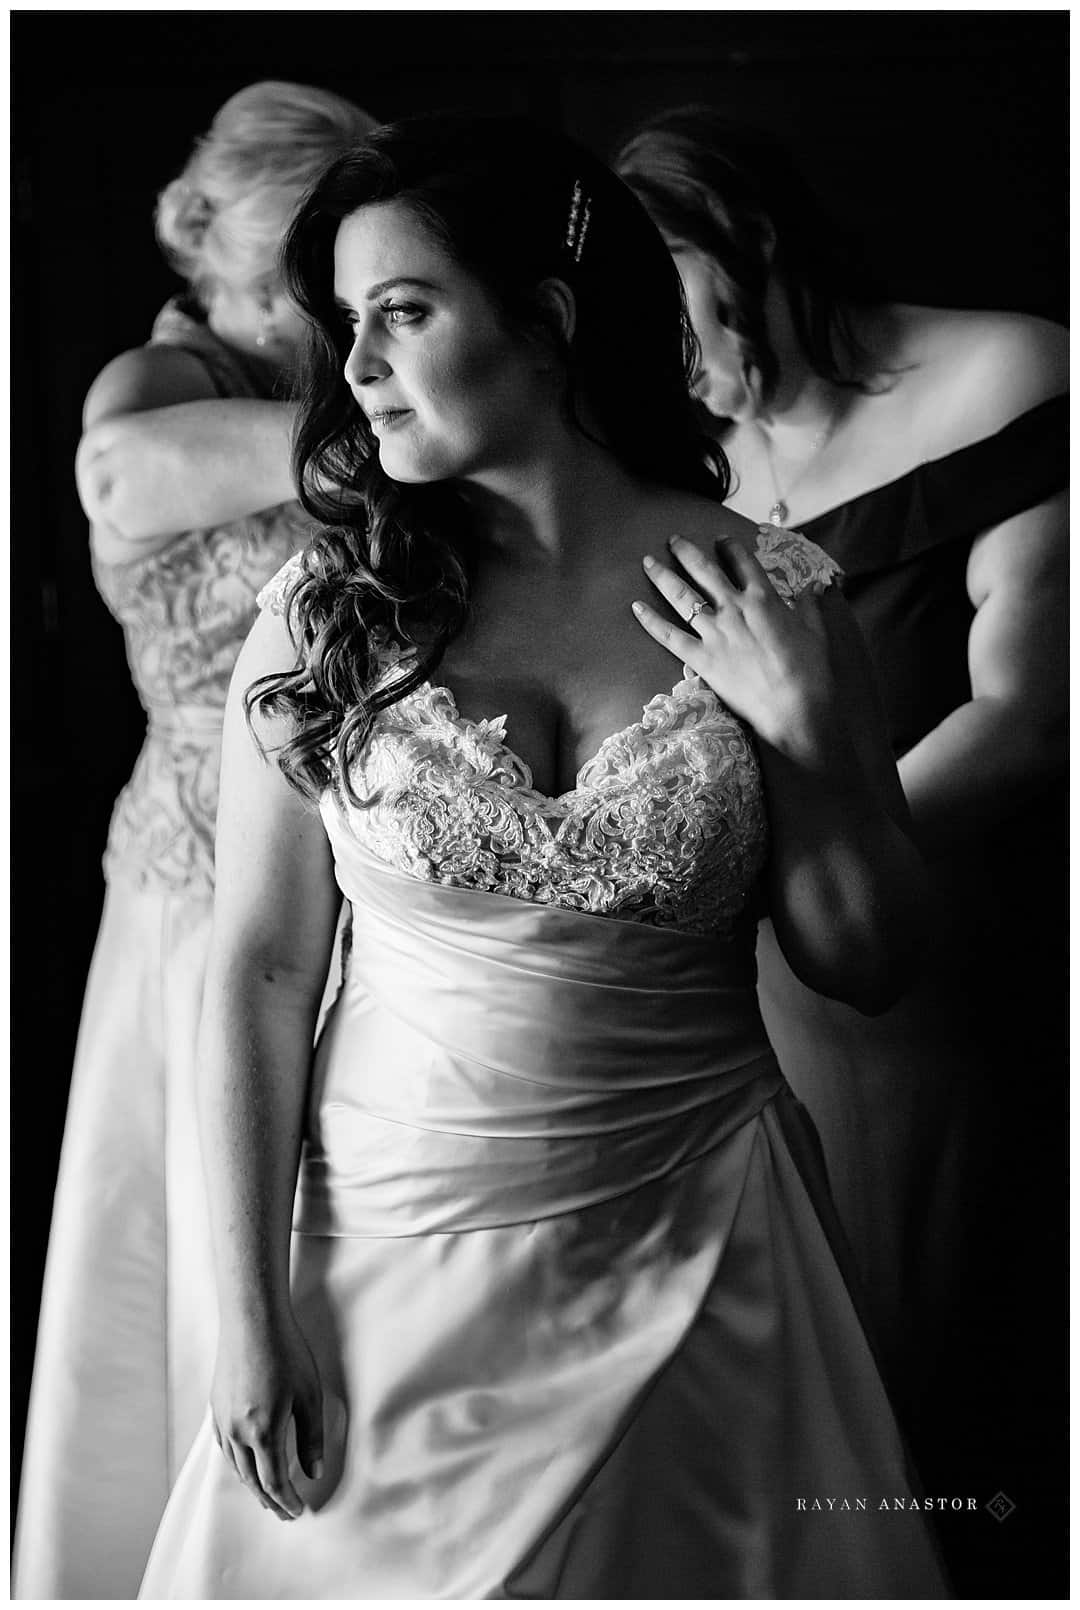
x,y
266,321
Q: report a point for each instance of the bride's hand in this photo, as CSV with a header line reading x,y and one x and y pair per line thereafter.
x,y
266,1377
767,660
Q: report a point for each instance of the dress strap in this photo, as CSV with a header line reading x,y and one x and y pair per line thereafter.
x,y
954,498
275,595
793,563
991,480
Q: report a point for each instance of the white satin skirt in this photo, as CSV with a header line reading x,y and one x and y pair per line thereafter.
x,y
565,1254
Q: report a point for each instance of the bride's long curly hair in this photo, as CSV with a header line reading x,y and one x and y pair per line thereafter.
x,y
513,204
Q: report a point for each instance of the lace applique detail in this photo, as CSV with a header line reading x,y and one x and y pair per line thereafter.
x,y
793,562
186,611
162,827
665,824
274,597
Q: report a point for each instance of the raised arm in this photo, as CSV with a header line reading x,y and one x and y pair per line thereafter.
x,y
162,453
275,909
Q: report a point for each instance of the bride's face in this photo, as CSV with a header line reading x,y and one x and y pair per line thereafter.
x,y
720,382
449,391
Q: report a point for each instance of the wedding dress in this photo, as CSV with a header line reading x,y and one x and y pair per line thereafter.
x,y
564,1248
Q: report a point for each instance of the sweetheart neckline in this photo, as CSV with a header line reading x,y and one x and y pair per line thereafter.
x,y
689,680
772,558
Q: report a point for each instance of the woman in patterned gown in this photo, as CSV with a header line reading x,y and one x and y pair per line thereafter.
x,y
566,1315
184,473
926,452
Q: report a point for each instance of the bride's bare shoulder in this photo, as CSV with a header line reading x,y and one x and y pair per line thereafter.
x,y
705,521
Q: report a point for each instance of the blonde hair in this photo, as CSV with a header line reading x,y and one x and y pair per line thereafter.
x,y
225,216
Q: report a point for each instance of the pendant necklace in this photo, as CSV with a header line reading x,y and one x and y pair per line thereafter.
x,y
780,509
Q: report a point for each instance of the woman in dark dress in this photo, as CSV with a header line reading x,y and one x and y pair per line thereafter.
x,y
925,451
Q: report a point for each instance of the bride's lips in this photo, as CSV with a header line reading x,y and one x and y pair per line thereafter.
x,y
387,418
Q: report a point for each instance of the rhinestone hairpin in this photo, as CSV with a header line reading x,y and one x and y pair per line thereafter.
x,y
577,222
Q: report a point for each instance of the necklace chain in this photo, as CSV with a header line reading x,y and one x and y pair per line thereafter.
x,y
780,509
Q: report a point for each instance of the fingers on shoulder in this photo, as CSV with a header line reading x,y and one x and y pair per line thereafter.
x,y
741,560
717,566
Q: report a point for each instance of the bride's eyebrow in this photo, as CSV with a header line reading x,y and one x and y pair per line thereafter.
x,y
399,279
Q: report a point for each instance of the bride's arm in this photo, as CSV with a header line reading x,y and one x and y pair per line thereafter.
x,y
275,910
162,453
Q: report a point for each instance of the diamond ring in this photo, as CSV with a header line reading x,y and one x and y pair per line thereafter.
x,y
695,610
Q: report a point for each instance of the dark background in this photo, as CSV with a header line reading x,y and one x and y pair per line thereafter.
x,y
940,135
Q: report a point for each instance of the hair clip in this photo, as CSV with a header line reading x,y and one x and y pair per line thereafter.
x,y
577,222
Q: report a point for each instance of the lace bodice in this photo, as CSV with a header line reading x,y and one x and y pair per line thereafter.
x,y
186,611
665,824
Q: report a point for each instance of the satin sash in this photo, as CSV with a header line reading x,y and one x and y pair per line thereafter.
x,y
490,1061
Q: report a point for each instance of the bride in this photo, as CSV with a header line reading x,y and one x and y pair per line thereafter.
x,y
563,1312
